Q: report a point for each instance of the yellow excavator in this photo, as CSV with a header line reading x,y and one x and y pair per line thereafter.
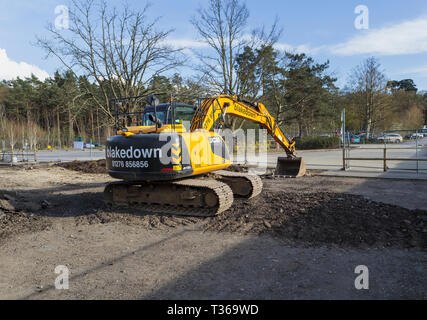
x,y
165,167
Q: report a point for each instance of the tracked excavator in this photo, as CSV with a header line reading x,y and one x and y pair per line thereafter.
x,y
167,168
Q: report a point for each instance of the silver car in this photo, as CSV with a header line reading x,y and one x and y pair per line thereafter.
x,y
391,137
417,136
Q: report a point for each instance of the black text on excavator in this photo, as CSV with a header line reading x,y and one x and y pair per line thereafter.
x,y
166,168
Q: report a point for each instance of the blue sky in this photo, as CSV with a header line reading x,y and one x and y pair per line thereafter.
x,y
397,33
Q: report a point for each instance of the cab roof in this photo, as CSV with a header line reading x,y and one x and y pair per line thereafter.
x,y
165,106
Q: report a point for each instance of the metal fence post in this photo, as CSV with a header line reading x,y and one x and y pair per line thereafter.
x,y
343,158
385,159
246,148
348,155
416,149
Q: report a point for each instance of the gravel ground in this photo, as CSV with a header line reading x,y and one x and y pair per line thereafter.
x,y
301,238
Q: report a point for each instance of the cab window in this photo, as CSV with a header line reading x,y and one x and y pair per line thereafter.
x,y
146,121
183,114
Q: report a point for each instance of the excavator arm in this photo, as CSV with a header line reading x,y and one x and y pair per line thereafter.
x,y
215,108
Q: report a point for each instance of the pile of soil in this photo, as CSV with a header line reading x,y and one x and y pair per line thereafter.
x,y
136,217
313,219
325,218
96,166
17,222
238,168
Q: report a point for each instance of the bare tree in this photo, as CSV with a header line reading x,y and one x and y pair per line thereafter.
x,y
2,120
222,26
33,132
13,130
120,51
369,85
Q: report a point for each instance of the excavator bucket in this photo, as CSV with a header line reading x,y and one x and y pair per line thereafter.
x,y
293,167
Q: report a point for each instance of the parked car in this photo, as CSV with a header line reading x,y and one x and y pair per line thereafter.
x,y
390,137
352,138
365,137
416,135
89,145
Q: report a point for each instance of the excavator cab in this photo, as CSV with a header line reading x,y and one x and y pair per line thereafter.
x,y
168,114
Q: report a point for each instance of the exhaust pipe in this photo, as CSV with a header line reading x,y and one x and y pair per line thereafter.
x,y
290,167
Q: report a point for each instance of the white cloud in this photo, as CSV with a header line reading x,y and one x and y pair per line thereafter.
x,y
303,48
417,70
409,37
188,44
10,69
179,43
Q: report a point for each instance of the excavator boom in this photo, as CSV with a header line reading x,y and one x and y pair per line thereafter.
x,y
217,107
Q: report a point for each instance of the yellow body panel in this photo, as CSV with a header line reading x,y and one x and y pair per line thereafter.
x,y
203,160
149,129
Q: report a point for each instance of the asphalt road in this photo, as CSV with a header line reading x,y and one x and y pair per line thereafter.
x,y
65,156
332,159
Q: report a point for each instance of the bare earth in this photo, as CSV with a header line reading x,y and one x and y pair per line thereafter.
x,y
300,239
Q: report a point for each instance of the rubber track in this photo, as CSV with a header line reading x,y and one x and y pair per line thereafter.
x,y
254,180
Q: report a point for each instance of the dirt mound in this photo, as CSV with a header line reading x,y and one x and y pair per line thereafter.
x,y
313,219
17,222
133,217
238,168
325,218
96,166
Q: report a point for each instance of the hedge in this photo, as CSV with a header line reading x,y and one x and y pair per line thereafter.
x,y
313,142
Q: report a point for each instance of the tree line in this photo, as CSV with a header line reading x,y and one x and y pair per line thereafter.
x,y
125,53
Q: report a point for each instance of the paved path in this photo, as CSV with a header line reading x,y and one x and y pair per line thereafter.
x,y
62,155
332,159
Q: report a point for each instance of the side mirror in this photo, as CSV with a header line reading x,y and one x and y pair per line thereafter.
x,y
152,100
155,120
